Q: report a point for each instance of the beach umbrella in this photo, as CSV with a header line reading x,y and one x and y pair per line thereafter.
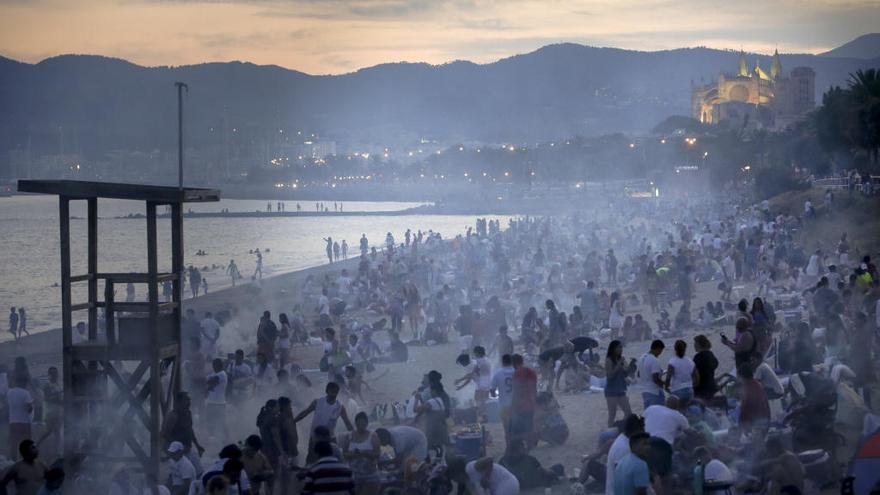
x,y
865,467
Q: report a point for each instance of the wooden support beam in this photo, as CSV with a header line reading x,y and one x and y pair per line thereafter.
x,y
70,427
155,379
177,267
93,266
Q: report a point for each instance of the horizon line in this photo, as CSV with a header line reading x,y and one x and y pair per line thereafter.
x,y
449,62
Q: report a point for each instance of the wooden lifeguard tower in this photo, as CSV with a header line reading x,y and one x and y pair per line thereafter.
x,y
120,380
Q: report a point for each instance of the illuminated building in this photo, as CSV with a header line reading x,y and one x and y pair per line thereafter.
x,y
755,97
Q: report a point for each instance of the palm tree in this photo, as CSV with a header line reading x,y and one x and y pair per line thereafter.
x,y
864,88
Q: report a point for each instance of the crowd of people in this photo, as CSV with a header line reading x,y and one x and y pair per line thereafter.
x,y
524,314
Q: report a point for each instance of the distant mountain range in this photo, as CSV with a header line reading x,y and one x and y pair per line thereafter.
x,y
866,46
103,104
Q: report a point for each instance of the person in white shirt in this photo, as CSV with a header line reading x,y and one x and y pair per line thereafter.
x,y
502,384
407,442
620,448
20,404
180,471
210,334
80,334
770,381
480,373
665,424
215,403
713,471
681,374
650,374
665,421
324,304
487,478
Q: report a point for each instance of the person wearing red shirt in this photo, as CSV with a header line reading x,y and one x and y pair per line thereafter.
x,y
754,408
522,407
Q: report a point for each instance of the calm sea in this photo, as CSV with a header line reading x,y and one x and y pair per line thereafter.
x,y
29,255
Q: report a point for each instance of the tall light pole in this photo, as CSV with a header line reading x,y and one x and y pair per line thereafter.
x,y
180,87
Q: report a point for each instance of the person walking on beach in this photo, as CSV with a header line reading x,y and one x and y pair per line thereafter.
x,y
329,249
365,245
13,322
232,271
195,280
344,250
22,322
336,251
258,271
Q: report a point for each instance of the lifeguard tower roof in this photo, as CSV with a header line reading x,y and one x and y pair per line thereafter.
x,y
85,189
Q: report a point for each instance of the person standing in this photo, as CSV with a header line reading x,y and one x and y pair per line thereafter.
x,y
267,334
522,406
22,322
269,424
615,387
328,474
289,441
53,400
705,364
362,450
258,271
180,470
681,374
232,271
435,406
13,322
329,249
215,403
178,427
611,268
631,476
619,449
364,244
28,473
344,249
650,374
20,404
210,334
502,384
327,411
615,316
195,280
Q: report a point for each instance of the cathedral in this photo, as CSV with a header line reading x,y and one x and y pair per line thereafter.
x,y
756,98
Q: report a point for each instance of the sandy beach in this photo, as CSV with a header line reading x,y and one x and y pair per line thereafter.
x,y
585,413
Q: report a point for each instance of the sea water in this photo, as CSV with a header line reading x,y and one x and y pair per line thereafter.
x,y
30,259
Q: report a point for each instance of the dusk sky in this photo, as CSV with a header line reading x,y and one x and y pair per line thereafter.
x,y
337,36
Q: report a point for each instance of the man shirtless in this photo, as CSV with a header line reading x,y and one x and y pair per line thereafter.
x,y
27,474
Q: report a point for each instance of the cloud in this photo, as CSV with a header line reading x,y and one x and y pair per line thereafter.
x,y
332,36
